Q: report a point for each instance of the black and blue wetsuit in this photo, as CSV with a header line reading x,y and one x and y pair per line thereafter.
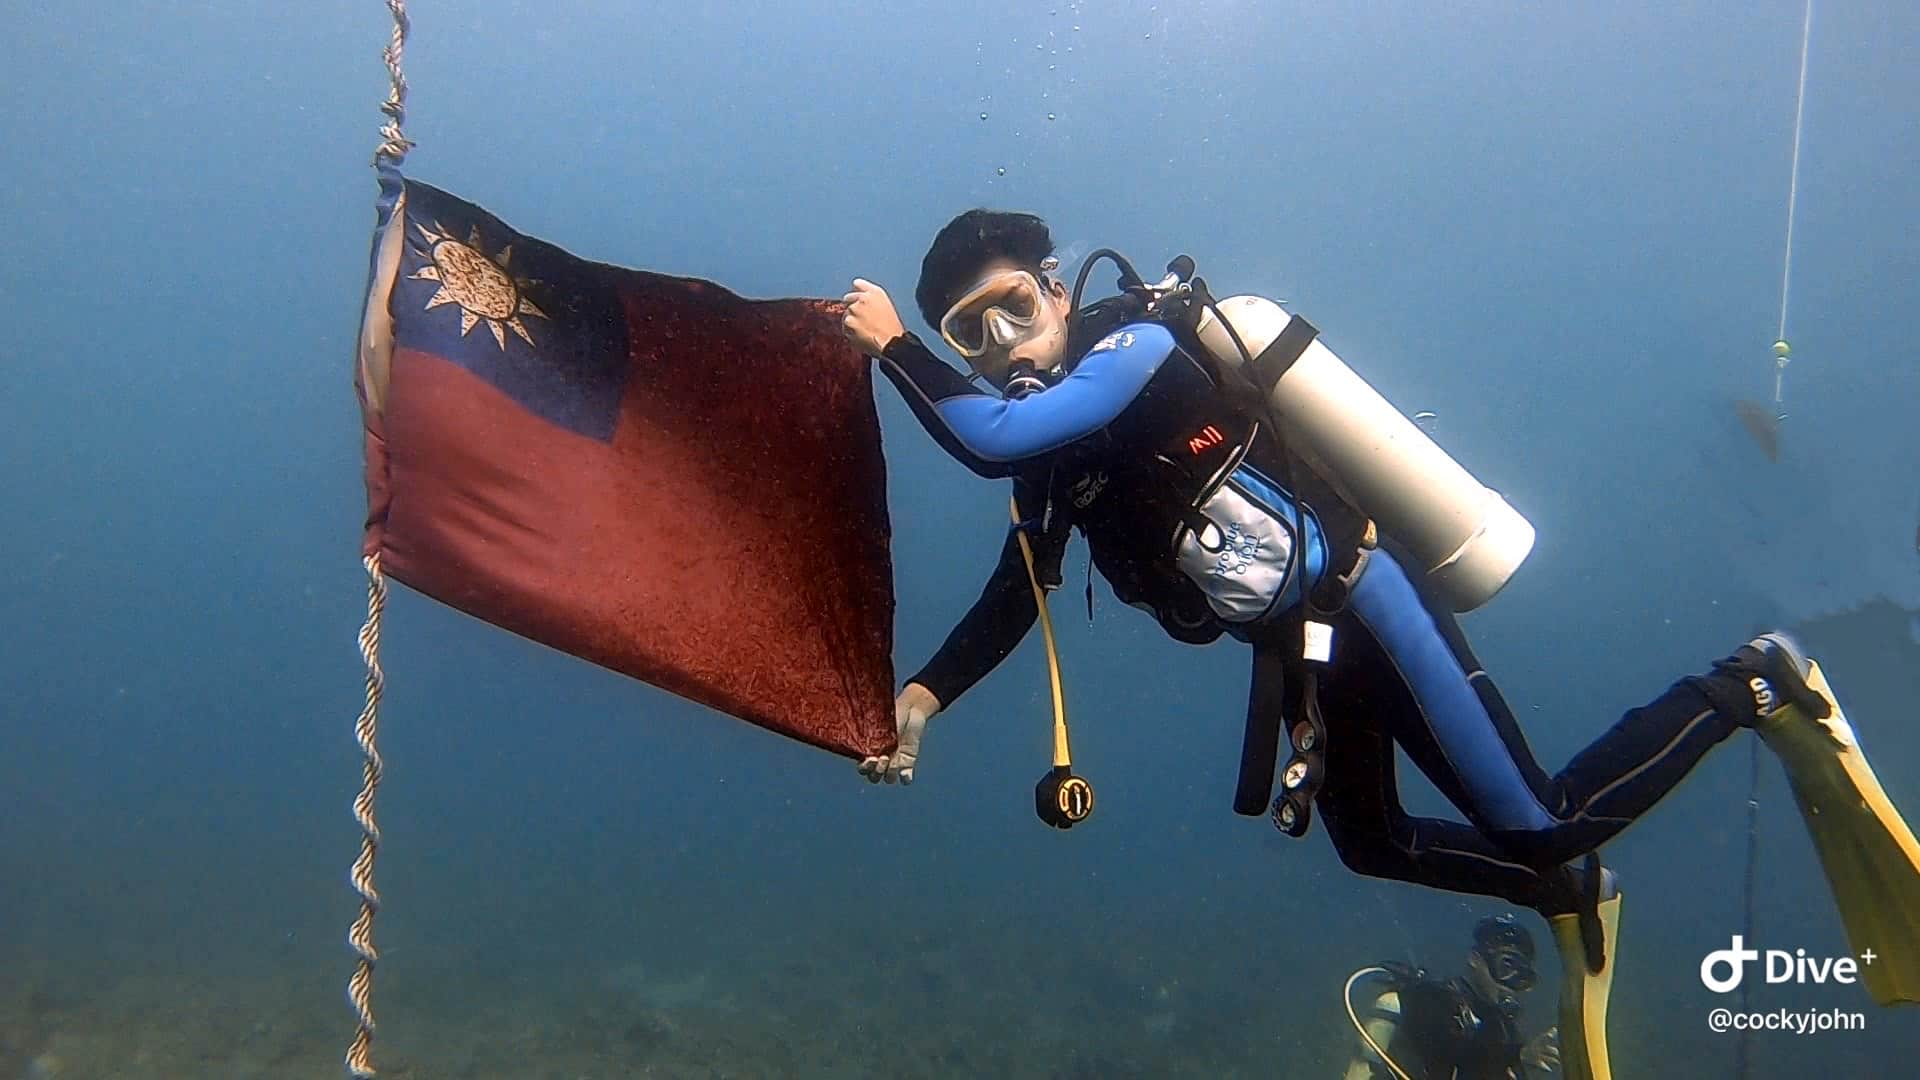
x,y
1125,449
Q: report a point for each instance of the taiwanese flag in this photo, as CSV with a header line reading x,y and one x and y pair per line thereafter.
x,y
646,472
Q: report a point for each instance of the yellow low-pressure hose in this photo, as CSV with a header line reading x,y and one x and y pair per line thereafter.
x,y
1061,758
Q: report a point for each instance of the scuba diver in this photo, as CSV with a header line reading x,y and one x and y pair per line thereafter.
x,y
1466,1027
1232,477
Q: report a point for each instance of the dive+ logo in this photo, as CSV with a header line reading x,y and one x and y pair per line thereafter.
x,y
1723,970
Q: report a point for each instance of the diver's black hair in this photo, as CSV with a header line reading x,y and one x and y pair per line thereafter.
x,y
964,248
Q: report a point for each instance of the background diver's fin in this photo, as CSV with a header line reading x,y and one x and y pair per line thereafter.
x,y
1593,933
1584,995
1866,848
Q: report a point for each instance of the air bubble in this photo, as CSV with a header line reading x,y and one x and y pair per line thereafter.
x,y
1002,170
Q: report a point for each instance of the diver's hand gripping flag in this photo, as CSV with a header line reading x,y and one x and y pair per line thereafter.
x,y
647,472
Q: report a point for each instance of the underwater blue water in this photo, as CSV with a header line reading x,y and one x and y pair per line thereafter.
x,y
1558,229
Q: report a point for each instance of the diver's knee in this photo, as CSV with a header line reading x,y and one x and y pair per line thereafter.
x,y
1368,853
1538,849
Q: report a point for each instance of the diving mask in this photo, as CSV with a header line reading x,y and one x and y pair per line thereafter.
x,y
1511,968
1001,311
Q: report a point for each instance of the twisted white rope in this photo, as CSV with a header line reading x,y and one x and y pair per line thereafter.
x,y
394,145
367,732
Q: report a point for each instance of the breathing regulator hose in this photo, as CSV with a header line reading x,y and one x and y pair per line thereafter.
x,y
1062,799
1365,1035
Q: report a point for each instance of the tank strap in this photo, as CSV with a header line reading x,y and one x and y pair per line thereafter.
x,y
1283,352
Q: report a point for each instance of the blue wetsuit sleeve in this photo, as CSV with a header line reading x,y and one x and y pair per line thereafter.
x,y
987,433
924,380
1103,384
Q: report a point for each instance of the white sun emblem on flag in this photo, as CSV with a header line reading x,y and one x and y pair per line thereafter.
x,y
479,283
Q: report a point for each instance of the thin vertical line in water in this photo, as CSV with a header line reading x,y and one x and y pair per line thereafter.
x,y
1793,183
1746,924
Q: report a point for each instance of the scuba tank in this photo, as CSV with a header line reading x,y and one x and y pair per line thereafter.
x,y
1467,540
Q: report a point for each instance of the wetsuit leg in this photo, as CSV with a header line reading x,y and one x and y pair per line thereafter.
x,y
1455,726
1364,699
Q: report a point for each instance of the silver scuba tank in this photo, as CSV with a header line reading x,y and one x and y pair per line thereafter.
x,y
1468,541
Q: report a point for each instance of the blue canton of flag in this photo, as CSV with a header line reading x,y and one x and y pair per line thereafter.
x,y
540,325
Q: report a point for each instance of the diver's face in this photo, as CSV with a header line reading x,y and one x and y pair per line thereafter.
x,y
1013,319
1501,978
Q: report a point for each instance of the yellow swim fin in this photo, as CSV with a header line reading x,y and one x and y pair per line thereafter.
x,y
1869,854
1583,994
